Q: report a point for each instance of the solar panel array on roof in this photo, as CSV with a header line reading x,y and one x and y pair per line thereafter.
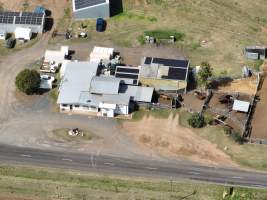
x,y
171,62
79,4
176,74
6,20
128,72
31,14
129,76
29,20
148,60
9,14
21,18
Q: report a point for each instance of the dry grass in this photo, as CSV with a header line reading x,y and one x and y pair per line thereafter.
x,y
248,155
225,26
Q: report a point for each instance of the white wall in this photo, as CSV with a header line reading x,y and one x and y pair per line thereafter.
x,y
122,109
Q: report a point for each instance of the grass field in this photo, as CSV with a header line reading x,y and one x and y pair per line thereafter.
x,y
248,155
39,183
225,26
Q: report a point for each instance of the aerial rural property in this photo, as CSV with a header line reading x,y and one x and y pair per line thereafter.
x,y
133,99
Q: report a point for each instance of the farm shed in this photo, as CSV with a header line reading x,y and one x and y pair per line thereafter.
x,y
23,33
85,9
255,52
9,21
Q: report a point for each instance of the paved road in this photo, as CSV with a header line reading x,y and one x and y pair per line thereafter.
x,y
124,166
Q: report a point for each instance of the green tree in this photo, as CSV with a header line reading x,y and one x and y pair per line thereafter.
x,y
204,73
28,81
196,120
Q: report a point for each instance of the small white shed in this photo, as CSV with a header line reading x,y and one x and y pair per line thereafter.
x,y
101,53
241,106
23,33
3,35
56,56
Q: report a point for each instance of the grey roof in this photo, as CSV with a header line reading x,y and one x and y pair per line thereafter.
x,y
88,99
105,85
138,93
77,78
80,4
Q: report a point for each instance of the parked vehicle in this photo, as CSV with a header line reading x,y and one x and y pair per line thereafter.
x,y
100,25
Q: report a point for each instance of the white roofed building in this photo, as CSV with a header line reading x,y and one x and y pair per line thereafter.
x,y
101,53
241,106
83,91
56,56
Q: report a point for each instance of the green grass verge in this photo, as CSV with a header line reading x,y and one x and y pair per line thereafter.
x,y
248,155
164,34
40,183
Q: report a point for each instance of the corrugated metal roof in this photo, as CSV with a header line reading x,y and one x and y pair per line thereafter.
x,y
105,85
77,78
242,106
138,93
88,99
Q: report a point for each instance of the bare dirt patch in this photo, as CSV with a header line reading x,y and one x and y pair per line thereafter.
x,y
167,138
246,86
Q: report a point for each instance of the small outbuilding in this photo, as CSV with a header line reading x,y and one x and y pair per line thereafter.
x,y
23,33
241,106
85,9
101,53
56,56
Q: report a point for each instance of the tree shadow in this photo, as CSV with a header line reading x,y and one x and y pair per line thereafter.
x,y
116,7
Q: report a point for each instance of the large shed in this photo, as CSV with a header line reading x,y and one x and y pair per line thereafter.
x,y
86,9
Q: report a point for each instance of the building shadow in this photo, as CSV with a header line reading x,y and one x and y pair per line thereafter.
x,y
116,7
48,25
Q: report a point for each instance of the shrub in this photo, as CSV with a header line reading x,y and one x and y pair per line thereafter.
x,y
204,73
196,120
28,81
208,119
164,34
